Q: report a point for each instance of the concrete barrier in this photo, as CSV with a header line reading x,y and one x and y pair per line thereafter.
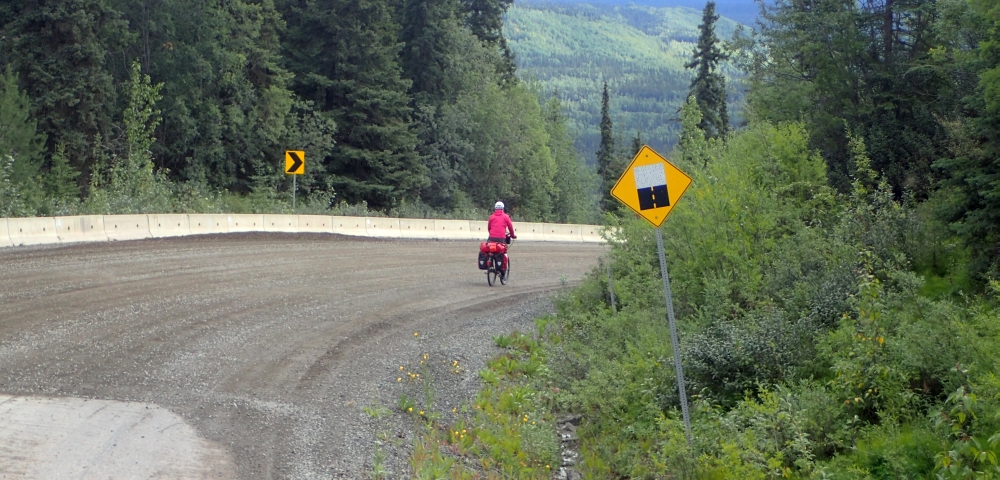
x,y
203,224
281,223
84,228
4,236
479,229
382,227
245,223
416,228
316,223
453,229
127,227
169,225
555,232
592,233
32,231
353,226
532,232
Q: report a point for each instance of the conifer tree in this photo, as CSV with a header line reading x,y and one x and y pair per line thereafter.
x,y
58,49
485,19
636,144
709,86
606,164
222,126
973,174
60,182
345,57
19,138
428,28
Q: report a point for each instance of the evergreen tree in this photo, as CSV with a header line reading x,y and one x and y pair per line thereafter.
x,y
225,97
58,49
572,197
888,68
428,36
709,86
485,19
19,139
636,145
606,162
60,182
973,172
344,56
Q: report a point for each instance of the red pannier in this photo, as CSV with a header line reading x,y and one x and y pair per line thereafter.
x,y
492,247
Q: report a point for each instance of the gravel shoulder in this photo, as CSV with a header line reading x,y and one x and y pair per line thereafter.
x,y
268,346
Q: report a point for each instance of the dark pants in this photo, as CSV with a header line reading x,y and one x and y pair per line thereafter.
x,y
498,240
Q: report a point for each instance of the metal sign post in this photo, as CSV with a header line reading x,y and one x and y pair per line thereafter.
x,y
651,187
681,389
295,165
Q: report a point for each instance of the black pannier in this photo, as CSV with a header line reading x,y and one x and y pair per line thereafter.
x,y
484,261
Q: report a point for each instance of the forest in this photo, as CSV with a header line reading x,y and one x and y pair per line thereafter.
x,y
572,48
409,107
835,270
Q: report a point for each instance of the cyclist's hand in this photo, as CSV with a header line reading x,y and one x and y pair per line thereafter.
x,y
513,236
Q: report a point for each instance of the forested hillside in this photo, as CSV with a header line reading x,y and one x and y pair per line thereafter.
x,y
114,106
572,48
834,269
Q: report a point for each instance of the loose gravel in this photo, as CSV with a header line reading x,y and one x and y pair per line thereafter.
x,y
269,345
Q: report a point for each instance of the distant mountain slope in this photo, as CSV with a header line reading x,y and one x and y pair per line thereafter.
x,y
640,50
742,11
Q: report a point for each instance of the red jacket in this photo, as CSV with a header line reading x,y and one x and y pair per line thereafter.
x,y
498,224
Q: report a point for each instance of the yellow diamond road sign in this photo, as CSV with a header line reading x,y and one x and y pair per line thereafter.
x,y
295,162
651,186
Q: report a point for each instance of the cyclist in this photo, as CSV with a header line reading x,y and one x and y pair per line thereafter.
x,y
498,225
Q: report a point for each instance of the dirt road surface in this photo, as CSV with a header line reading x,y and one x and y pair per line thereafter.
x,y
247,355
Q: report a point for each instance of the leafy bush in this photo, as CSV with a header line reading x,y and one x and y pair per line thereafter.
x,y
809,343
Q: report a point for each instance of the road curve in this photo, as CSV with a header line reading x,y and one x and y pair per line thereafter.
x,y
265,345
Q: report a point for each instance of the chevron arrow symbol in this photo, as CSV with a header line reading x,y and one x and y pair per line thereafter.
x,y
296,162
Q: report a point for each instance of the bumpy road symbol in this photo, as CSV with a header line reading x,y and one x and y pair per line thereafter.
x,y
651,184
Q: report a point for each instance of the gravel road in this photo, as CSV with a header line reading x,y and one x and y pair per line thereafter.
x,y
267,346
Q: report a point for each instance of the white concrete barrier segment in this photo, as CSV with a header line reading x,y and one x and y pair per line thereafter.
x,y
84,228
32,231
555,232
4,236
532,232
127,227
480,230
316,223
354,226
453,229
201,224
281,223
169,225
245,223
416,228
382,227
592,233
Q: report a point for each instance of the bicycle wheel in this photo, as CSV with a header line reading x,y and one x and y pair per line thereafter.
x,y
491,273
506,273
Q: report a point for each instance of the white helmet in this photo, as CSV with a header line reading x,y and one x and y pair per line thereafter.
x,y
498,206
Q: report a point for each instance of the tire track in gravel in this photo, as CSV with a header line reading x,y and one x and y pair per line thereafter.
x,y
267,344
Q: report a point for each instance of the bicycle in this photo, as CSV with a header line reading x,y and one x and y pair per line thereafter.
x,y
495,270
